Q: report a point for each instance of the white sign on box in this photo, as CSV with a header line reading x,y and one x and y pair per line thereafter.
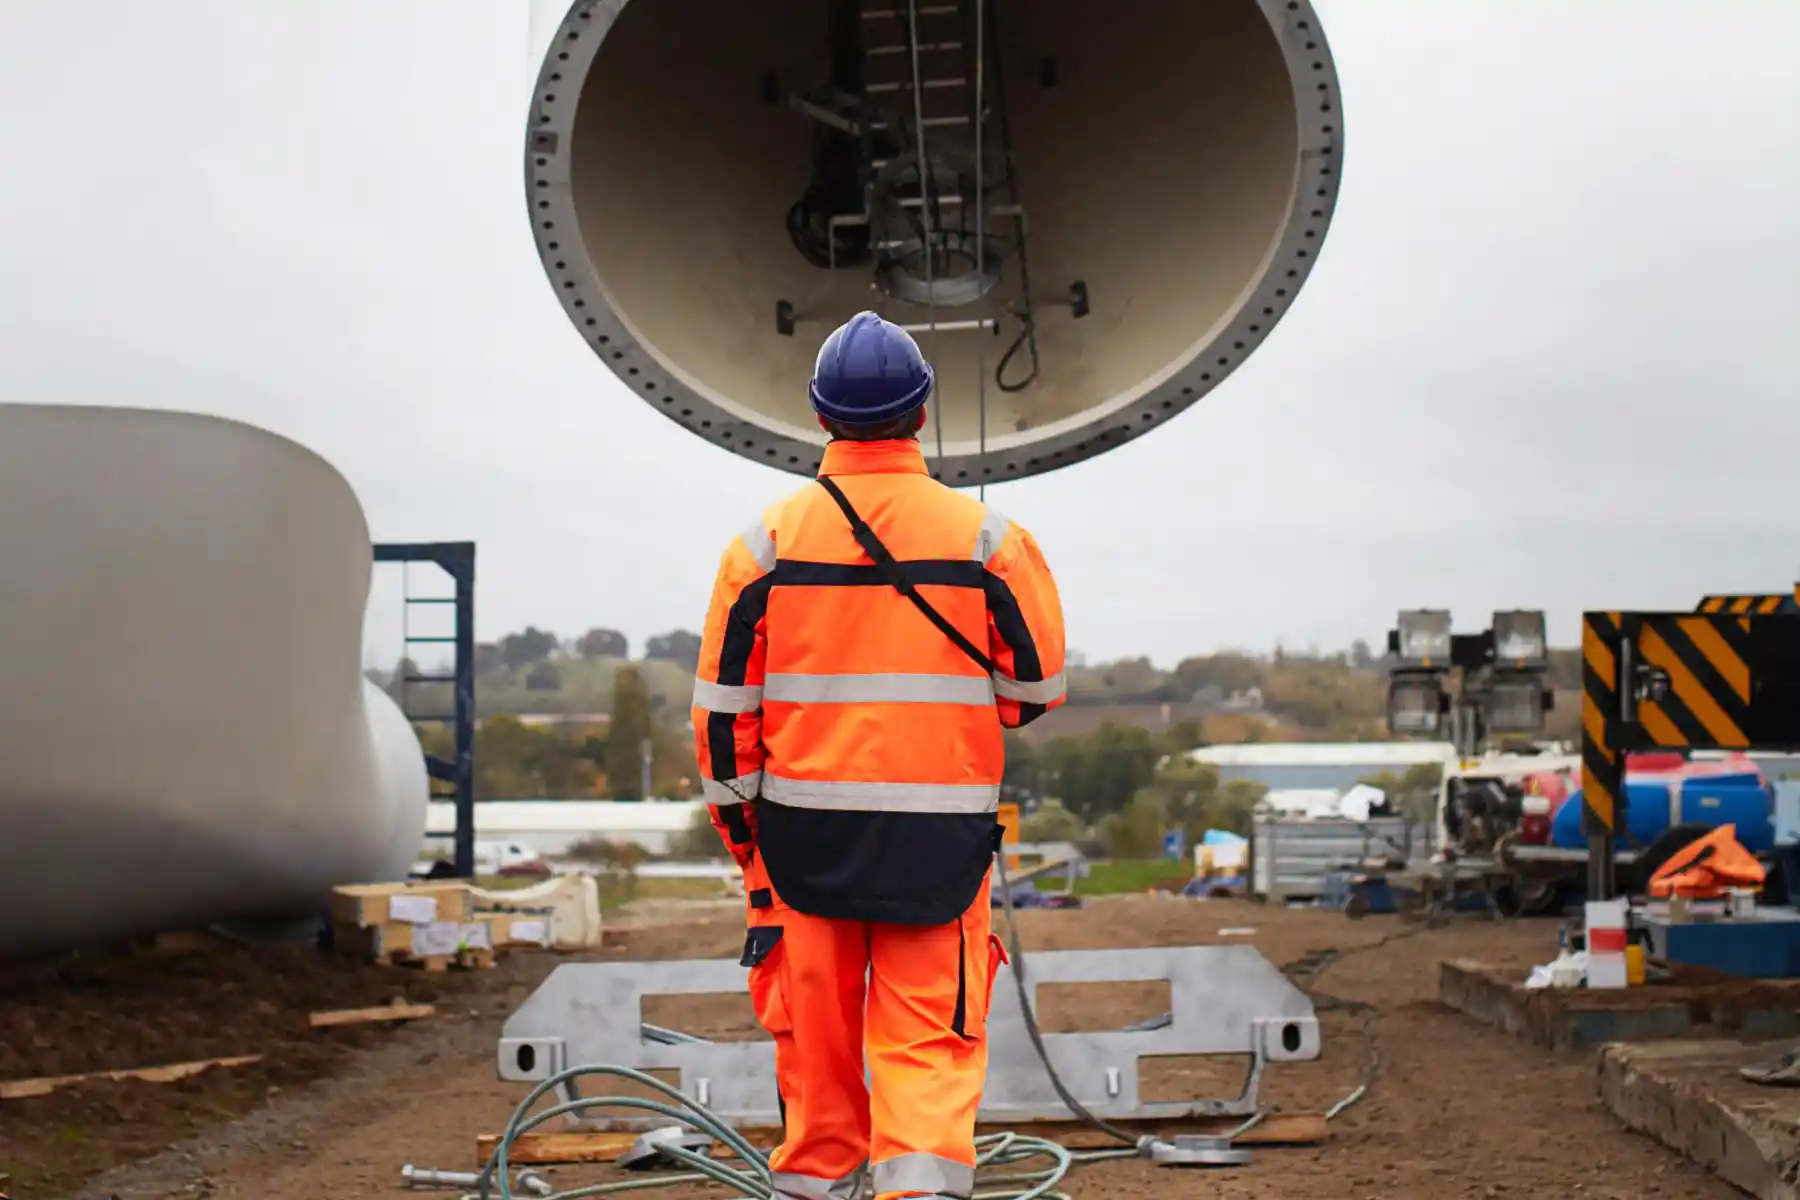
x,y
535,932
414,910
439,939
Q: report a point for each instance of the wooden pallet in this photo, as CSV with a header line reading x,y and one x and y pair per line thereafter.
x,y
437,964
396,944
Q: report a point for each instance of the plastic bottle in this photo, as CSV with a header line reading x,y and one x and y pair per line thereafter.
x,y
1634,963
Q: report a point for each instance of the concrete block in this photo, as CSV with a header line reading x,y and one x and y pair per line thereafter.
x,y
1688,1096
1694,1001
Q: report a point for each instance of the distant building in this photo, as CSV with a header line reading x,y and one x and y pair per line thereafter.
x,y
593,721
1211,698
1308,765
551,827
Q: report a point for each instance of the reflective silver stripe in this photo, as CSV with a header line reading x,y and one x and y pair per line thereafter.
x,y
993,532
733,791
762,546
879,689
811,1187
927,1173
1047,692
883,797
726,698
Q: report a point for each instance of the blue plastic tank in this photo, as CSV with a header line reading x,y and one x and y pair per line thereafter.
x,y
1742,800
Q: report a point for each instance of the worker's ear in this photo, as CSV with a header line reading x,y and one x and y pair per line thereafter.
x,y
919,420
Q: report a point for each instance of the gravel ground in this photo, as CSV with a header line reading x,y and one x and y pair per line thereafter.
x,y
1458,1109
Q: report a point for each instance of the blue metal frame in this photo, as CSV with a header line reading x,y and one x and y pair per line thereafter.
x,y
457,560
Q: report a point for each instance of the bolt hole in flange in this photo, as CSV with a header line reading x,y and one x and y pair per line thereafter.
x,y
1168,175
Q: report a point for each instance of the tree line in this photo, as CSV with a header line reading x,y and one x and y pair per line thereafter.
x,y
1333,696
576,718
584,759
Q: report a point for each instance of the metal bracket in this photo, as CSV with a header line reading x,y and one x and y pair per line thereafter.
x,y
1224,1000
1193,1150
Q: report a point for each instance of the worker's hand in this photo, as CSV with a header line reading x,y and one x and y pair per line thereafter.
x,y
736,824
745,853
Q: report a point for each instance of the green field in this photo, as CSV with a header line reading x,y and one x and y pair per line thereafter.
x,y
1120,876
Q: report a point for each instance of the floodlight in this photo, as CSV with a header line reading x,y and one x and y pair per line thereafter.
x,y
1423,639
1519,640
1516,705
1415,705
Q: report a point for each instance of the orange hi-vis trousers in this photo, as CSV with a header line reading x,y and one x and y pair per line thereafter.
x,y
909,1003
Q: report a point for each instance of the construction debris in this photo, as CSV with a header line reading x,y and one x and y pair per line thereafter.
x,y
20,1089
1781,1071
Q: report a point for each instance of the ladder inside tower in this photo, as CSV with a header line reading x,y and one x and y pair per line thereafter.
x,y
913,175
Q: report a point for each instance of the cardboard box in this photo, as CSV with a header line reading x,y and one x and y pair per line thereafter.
x,y
370,904
431,939
521,928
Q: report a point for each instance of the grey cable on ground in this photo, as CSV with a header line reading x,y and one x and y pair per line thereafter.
x,y
1017,950
1305,971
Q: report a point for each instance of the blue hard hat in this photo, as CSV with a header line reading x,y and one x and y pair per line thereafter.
x,y
869,372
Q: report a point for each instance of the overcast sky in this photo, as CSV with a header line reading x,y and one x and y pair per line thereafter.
x,y
1547,358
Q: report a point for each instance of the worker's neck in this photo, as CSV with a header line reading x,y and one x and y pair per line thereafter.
x,y
887,456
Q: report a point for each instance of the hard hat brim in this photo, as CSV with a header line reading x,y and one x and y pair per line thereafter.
x,y
892,411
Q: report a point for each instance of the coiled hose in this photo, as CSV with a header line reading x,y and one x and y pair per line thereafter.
x,y
751,1178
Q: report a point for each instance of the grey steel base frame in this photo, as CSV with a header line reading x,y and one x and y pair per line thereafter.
x,y
1224,1000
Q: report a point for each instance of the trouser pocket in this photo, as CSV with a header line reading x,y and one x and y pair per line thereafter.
x,y
996,958
975,988
762,954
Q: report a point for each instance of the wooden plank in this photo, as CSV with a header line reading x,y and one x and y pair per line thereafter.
x,y
544,1149
19,1089
1279,1129
332,1018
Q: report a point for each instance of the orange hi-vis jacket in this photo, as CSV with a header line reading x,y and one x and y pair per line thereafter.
x,y
1708,867
869,743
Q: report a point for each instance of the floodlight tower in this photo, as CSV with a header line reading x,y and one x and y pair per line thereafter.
x,y
1502,669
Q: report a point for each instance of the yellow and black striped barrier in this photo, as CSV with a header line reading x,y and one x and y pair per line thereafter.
x,y
1699,682
1714,680
1744,606
1602,762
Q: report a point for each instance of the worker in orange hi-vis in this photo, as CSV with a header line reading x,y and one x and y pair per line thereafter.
x,y
869,638
1708,867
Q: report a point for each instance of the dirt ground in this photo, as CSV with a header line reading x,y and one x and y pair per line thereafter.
x,y
1457,1110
